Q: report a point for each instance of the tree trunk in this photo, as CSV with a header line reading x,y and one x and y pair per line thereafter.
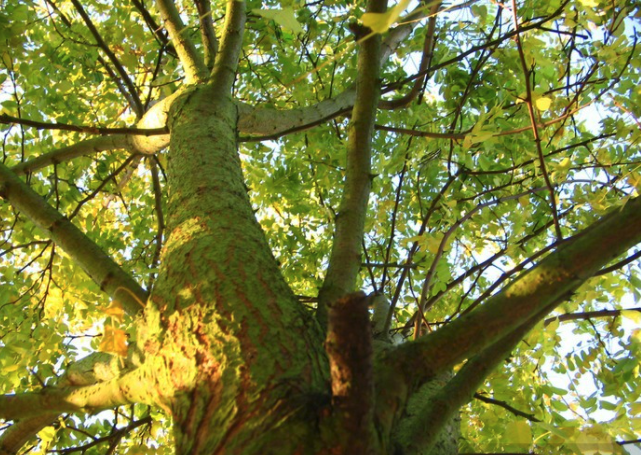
x,y
243,359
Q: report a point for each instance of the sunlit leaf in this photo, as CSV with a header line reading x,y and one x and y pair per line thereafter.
x,y
284,17
114,341
381,22
543,103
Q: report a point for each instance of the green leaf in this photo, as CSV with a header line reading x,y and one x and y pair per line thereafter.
x,y
284,17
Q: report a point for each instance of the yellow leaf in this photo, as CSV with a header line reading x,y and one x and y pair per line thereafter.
x,y
589,3
634,315
115,310
381,22
543,103
114,340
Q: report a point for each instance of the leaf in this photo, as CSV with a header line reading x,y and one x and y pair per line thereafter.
x,y
284,17
115,310
633,315
543,103
589,3
518,433
381,22
115,341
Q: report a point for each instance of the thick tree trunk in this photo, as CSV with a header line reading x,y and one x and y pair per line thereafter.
x,y
243,359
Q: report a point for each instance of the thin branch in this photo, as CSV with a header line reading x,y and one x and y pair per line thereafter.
x,y
137,107
506,406
530,106
160,220
154,27
619,264
113,437
588,315
7,119
192,61
426,61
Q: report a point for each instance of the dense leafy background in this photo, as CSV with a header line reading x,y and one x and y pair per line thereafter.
x,y
470,212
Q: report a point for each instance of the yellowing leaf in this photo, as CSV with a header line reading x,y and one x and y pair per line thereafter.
x,y
114,340
524,201
284,17
634,315
115,310
543,103
381,22
589,3
518,433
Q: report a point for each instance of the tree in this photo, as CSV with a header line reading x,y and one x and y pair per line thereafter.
x,y
194,194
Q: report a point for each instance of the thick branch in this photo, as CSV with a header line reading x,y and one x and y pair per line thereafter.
x,y
192,61
132,387
207,31
88,147
95,368
271,123
345,258
534,293
349,348
224,72
111,278
422,432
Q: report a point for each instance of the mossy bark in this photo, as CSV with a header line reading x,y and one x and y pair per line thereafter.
x,y
241,355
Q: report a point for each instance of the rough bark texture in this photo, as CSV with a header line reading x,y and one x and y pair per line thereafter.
x,y
236,341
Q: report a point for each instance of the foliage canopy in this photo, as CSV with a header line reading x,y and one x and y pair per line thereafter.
x,y
498,133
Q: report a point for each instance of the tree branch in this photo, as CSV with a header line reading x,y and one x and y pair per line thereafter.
x,y
207,31
131,387
7,119
83,148
422,431
137,107
192,61
588,315
345,257
534,293
154,27
93,369
269,123
426,60
529,101
506,406
224,72
349,348
111,278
